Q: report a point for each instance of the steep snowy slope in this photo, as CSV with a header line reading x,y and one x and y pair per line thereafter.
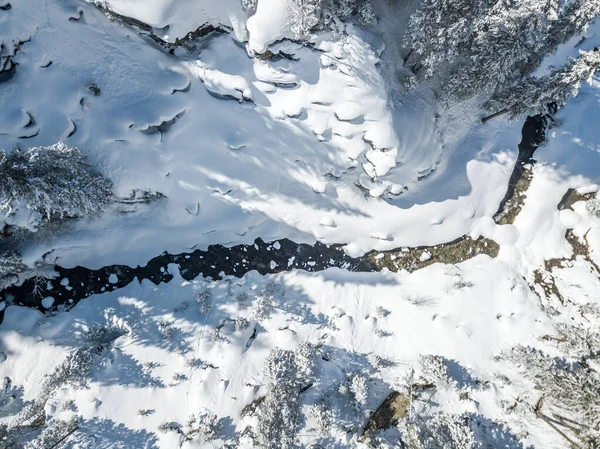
x,y
296,161
307,142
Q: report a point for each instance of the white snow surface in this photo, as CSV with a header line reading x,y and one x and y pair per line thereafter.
x,y
293,154
232,172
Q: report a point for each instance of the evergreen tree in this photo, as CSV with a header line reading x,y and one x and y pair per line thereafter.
x,y
507,45
51,180
574,19
11,265
485,45
279,414
535,95
440,30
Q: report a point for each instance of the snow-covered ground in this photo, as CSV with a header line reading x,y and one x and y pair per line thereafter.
x,y
308,146
182,349
281,165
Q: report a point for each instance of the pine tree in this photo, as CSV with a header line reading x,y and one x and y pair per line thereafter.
x,y
508,44
440,30
535,95
486,45
574,19
279,414
51,180
11,265
305,17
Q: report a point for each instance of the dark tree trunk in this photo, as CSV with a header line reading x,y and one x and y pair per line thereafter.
x,y
495,114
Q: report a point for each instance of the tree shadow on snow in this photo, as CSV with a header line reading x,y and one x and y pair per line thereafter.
x,y
98,433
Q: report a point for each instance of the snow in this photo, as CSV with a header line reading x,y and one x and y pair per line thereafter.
x,y
222,83
330,306
48,302
177,18
314,148
234,172
270,23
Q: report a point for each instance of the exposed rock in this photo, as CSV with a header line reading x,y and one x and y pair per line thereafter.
x,y
394,408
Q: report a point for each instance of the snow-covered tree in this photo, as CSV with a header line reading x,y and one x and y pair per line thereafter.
x,y
534,95
280,367
11,265
508,43
439,31
575,18
321,416
279,417
360,11
279,414
53,181
305,17
485,45
571,387
54,433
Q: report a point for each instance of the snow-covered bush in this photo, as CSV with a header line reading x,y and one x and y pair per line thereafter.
x,y
261,306
357,388
440,431
241,323
435,369
170,426
310,15
204,301
305,17
381,312
166,329
449,432
577,342
320,416
97,335
52,181
202,427
249,6
593,207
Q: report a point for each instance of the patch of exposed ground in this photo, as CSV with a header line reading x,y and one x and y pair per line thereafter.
x,y
514,204
411,259
543,276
